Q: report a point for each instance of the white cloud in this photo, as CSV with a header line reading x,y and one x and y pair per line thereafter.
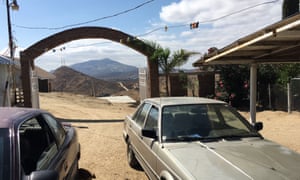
x,y
217,26
216,29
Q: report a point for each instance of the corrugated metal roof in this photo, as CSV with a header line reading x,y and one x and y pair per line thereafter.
x,y
277,43
5,60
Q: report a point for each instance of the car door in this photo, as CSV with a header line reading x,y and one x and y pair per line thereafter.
x,y
136,126
149,145
61,162
41,145
37,146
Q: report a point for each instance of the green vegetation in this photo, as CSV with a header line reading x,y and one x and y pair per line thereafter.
x,y
167,61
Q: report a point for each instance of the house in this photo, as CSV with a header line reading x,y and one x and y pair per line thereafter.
x,y
5,63
8,97
44,79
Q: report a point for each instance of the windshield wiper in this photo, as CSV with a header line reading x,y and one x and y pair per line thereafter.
x,y
193,137
237,136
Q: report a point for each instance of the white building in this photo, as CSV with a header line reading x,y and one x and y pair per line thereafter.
x,y
4,81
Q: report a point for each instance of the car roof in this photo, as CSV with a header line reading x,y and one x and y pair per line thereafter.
x,y
169,101
12,115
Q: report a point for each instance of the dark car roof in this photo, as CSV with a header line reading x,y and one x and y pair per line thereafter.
x,y
12,115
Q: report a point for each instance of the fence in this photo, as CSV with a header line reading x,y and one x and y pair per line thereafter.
x,y
279,96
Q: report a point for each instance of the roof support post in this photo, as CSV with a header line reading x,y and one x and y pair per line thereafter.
x,y
253,88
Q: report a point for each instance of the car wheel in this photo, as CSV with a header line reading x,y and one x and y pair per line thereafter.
x,y
132,161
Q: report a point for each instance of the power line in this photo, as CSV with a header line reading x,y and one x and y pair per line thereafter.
x,y
87,22
207,21
153,30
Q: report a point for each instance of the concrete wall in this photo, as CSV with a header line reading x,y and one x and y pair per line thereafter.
x,y
3,79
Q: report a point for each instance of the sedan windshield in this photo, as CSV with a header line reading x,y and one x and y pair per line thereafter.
x,y
4,154
203,122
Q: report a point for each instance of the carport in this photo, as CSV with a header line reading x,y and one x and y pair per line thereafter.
x,y
277,43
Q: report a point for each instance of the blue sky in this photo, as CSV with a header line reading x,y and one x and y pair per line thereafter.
x,y
36,19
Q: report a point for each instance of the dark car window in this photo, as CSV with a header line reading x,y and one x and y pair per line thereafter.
x,y
4,154
57,129
194,121
37,145
141,113
152,119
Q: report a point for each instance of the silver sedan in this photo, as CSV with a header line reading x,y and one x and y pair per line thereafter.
x,y
198,138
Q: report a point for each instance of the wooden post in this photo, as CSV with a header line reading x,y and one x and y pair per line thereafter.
x,y
25,76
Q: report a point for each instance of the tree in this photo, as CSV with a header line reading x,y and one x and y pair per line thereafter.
x,y
233,86
287,72
167,61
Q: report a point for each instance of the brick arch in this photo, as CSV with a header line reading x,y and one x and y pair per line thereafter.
x,y
28,56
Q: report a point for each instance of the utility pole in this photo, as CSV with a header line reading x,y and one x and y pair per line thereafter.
x,y
14,6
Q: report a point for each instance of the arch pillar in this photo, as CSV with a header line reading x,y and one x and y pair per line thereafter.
x,y
26,67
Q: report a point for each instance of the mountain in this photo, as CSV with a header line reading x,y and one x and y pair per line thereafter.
x,y
70,80
107,69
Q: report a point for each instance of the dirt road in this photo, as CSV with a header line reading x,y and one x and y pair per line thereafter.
x,y
99,125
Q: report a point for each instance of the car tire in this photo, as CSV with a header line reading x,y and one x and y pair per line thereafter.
x,y
132,161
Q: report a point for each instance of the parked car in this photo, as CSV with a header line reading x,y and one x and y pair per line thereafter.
x,y
35,146
198,138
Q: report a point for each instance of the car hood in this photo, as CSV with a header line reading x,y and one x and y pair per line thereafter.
x,y
249,158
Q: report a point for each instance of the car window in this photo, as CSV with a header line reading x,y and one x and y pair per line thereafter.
x,y
4,154
152,119
231,119
140,115
203,121
37,145
57,128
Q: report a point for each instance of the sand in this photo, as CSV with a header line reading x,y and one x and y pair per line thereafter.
x,y
99,125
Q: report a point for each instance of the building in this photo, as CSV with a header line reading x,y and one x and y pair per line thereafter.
x,y
5,77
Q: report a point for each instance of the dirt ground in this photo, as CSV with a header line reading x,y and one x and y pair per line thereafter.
x,y
99,126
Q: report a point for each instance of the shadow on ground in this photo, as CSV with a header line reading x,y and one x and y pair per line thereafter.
x,y
84,174
90,120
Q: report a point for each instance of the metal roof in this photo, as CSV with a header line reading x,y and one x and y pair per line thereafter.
x,y
277,43
5,60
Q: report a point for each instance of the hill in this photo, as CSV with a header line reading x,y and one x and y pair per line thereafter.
x,y
107,69
70,80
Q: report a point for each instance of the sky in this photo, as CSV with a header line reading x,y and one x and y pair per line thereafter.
x,y
221,22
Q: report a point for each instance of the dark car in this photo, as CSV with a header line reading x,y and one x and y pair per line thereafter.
x,y
197,138
34,145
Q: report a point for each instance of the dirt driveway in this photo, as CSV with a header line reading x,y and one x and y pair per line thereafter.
x,y
99,125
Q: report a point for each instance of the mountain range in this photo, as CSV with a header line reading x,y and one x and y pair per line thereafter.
x,y
70,80
96,78
107,69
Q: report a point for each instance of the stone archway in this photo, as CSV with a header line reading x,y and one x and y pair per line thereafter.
x,y
28,56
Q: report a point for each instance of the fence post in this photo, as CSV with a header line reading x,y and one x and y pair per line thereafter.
x,y
270,96
289,97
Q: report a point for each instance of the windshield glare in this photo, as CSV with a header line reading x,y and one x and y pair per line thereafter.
x,y
203,121
4,154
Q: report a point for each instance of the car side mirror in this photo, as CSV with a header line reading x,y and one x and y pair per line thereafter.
x,y
44,175
149,133
258,126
